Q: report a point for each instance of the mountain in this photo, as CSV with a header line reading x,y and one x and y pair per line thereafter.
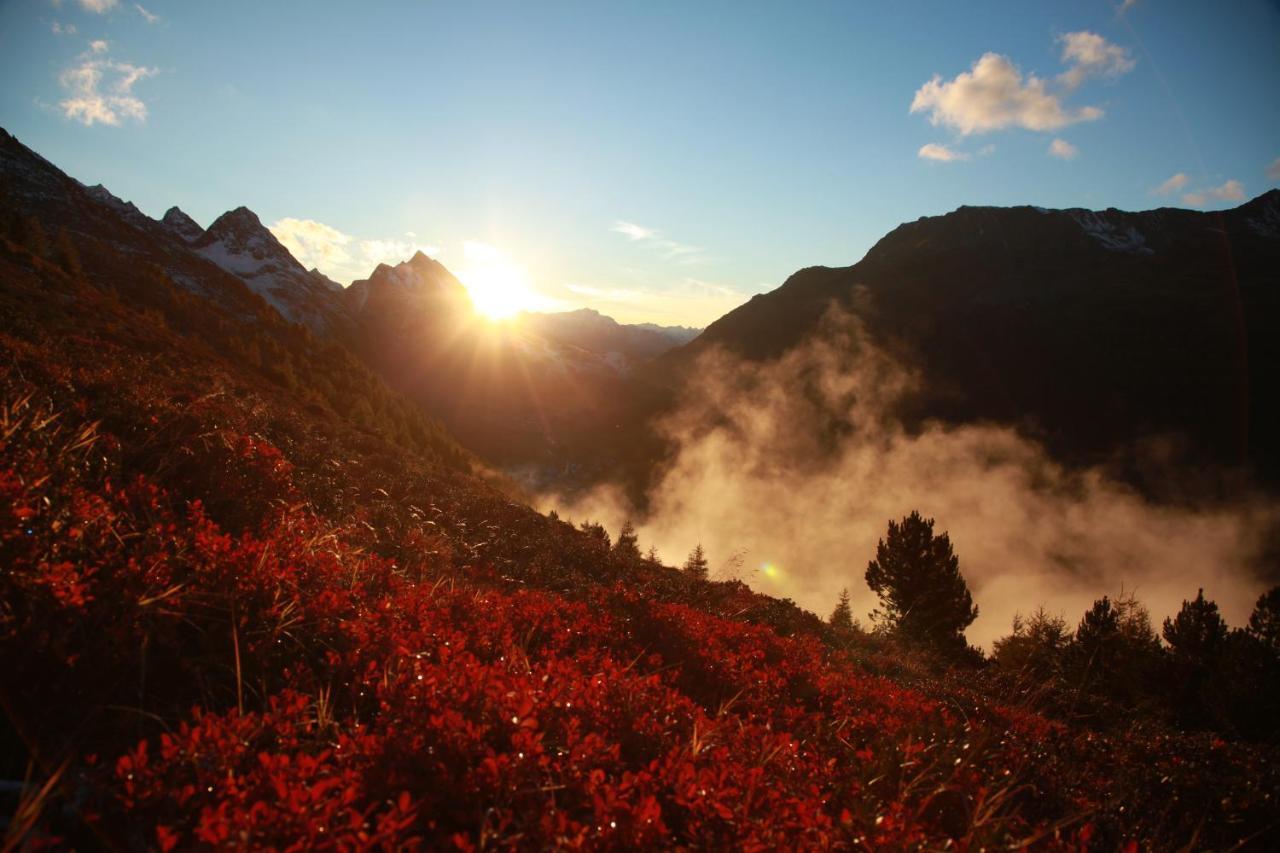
x,y
1096,331
238,242
182,225
591,330
516,394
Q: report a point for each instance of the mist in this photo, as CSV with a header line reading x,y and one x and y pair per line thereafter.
x,y
767,472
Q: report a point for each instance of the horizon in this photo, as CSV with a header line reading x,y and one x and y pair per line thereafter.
x,y
656,165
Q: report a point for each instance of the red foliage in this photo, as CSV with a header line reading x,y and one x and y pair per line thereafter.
x,y
283,634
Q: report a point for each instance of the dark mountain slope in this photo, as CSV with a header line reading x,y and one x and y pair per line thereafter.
x,y
1094,330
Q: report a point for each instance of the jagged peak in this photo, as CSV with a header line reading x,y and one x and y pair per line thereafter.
x,y
240,218
177,221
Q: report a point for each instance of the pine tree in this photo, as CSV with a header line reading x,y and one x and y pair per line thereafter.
x,y
842,616
1197,633
1115,653
596,532
696,565
628,544
1264,622
1036,647
923,596
1197,639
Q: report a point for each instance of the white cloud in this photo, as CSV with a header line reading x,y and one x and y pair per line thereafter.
x,y
1273,171
340,256
392,252
1172,184
1063,150
100,90
670,249
992,96
60,29
147,16
1231,190
1090,55
98,6
940,153
633,231
1125,6
313,243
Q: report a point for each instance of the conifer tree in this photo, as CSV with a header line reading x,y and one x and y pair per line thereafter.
x,y
1197,633
696,564
1036,647
842,616
923,596
628,544
1264,622
1197,639
1115,652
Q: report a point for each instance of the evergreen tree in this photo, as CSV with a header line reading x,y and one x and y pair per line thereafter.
x,y
1036,647
1115,652
923,596
596,532
1264,622
842,616
628,544
1197,637
1197,633
696,565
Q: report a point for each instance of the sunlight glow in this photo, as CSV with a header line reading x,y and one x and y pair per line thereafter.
x,y
499,287
770,571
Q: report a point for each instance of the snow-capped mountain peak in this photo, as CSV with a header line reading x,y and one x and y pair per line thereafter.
x,y
238,242
182,225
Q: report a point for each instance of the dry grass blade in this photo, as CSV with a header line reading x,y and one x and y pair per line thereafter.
x,y
31,806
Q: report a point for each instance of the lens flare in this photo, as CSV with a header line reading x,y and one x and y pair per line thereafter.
x,y
499,287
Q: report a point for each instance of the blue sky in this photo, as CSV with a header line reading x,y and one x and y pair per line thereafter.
x,y
657,161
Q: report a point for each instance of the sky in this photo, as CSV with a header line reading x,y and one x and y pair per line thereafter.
x,y
659,162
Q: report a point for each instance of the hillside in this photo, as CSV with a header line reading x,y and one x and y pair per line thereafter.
x,y
253,597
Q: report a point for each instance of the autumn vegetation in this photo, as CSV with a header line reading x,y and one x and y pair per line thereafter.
x,y
250,597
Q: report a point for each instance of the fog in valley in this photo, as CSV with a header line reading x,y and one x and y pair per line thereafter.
x,y
782,493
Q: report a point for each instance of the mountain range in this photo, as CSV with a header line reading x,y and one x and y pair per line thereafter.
x,y
1143,341
517,391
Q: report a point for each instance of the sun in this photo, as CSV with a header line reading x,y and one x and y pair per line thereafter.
x,y
499,287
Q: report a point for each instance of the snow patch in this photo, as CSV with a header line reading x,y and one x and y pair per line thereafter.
x,y
1114,236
